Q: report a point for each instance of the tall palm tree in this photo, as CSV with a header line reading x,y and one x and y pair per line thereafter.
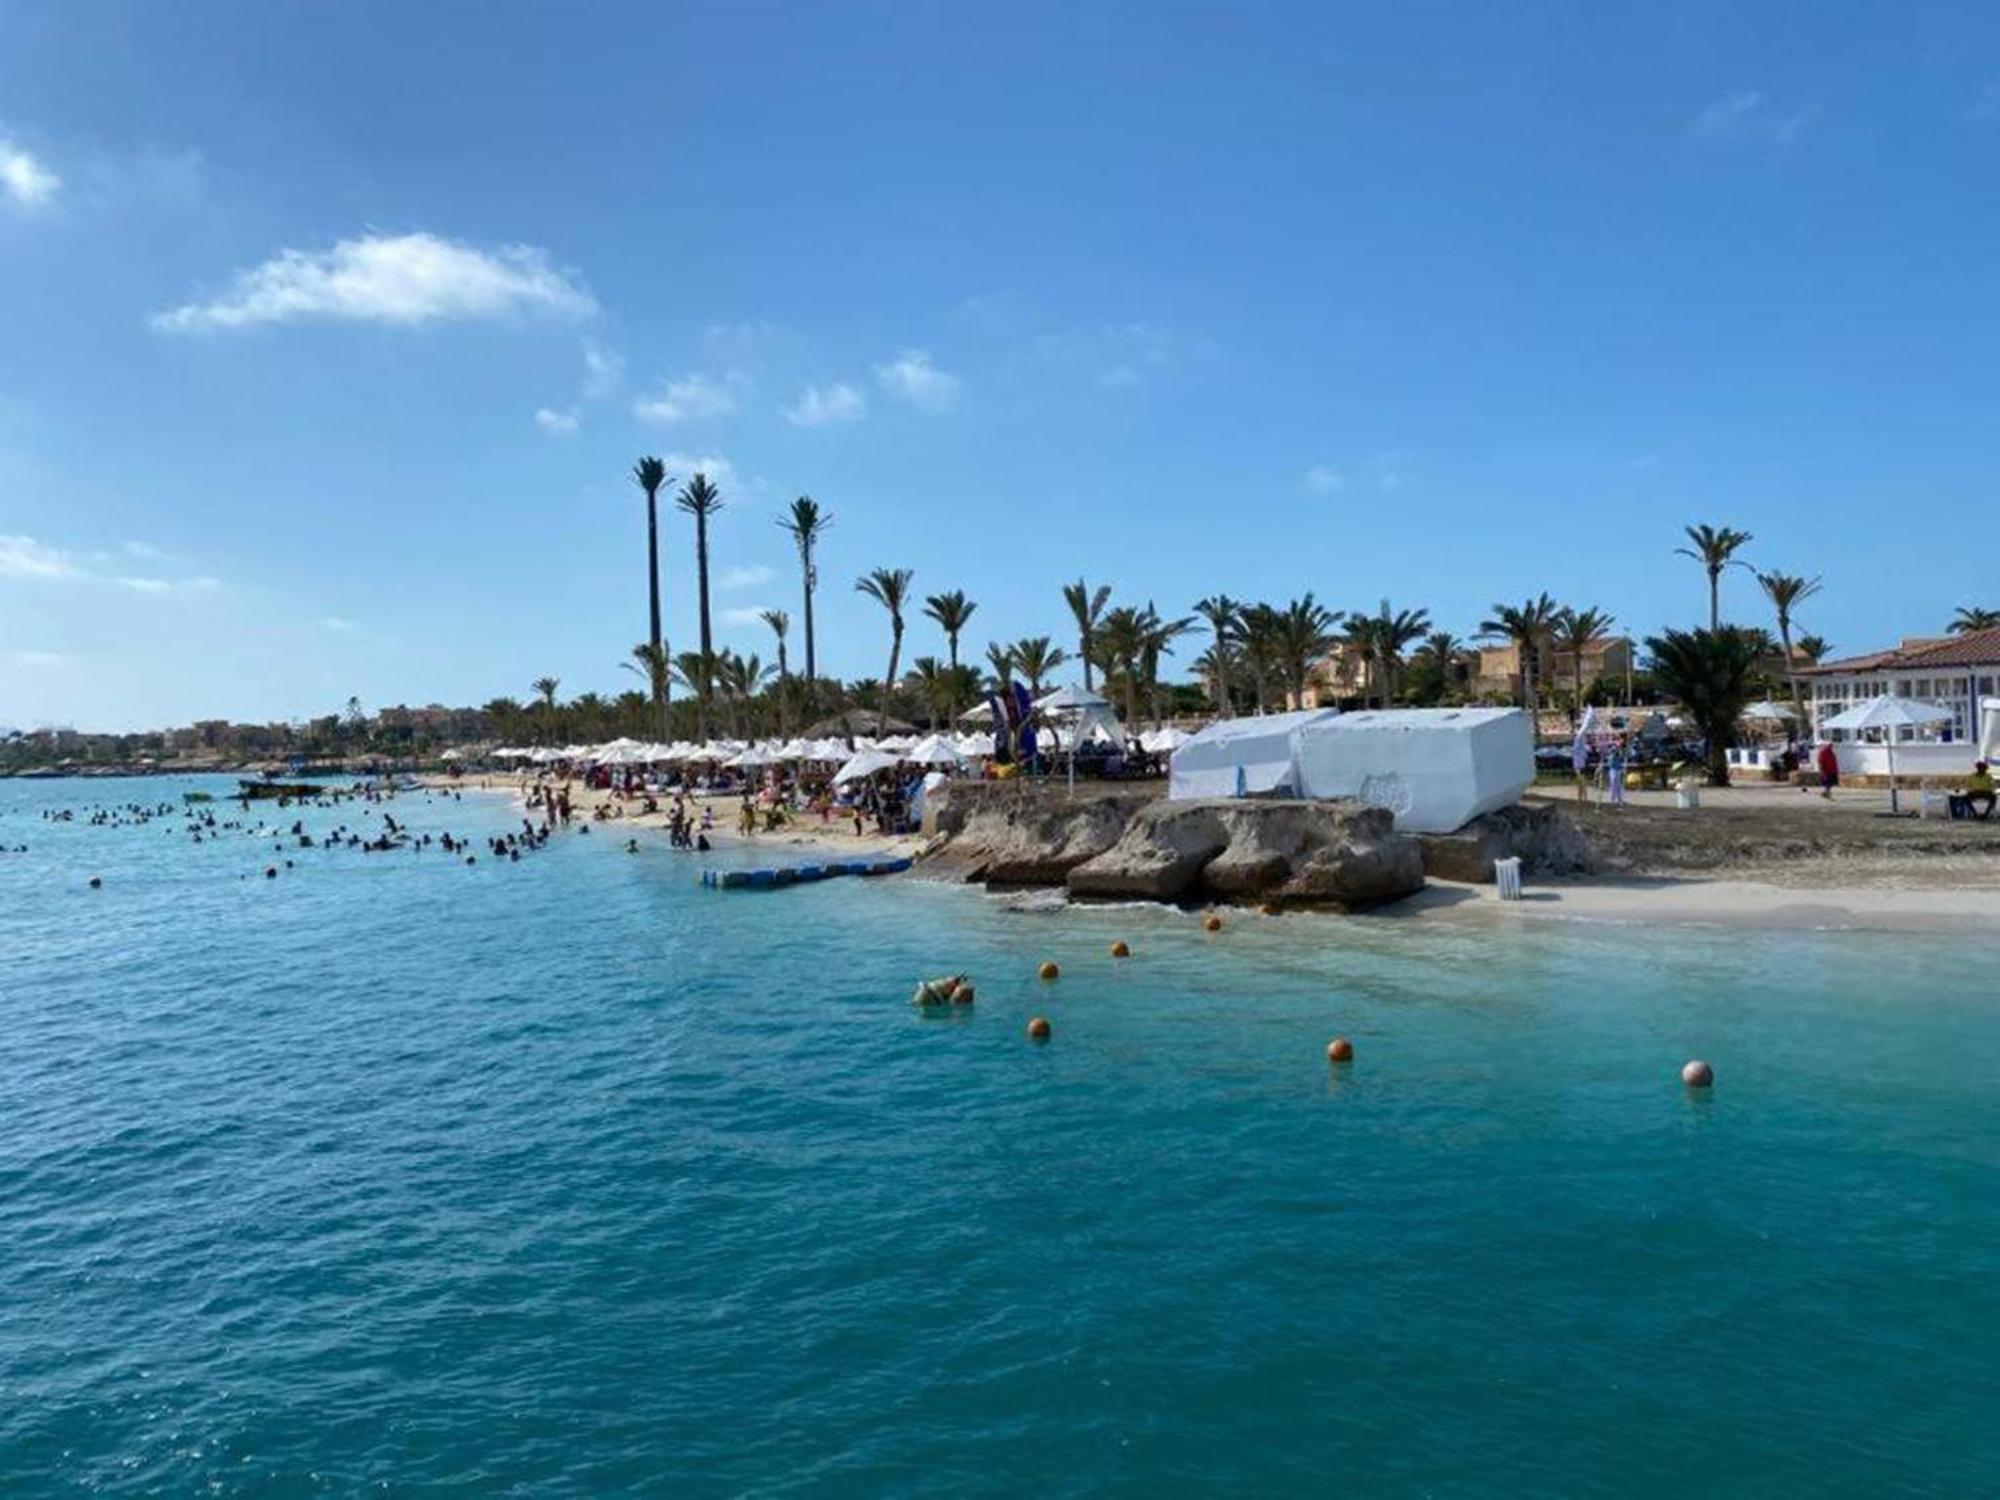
x,y
1442,656
1715,548
935,682
1814,648
1120,641
650,474
953,612
807,523
1304,634
1526,627
545,689
701,499
1087,606
1001,659
1036,656
1787,591
781,624
695,668
651,662
1160,636
1380,638
1575,631
1971,617
1708,673
1224,617
890,588
1259,630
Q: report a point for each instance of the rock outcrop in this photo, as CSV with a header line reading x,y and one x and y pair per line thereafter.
x,y
1021,833
1327,853
1541,835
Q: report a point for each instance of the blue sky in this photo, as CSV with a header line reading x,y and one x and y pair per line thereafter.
x,y
328,334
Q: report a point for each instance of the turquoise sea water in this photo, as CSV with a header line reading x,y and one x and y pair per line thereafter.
x,y
566,1176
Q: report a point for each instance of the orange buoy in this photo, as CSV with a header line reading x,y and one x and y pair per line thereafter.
x,y
1120,950
1698,1075
1038,1029
1212,923
1049,970
1339,1050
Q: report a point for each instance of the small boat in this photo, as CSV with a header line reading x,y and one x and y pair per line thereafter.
x,y
264,791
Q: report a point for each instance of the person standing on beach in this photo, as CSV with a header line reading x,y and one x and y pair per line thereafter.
x,y
1614,772
1579,763
1829,770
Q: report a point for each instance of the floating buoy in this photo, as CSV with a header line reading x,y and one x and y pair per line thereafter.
x,y
1049,971
96,882
270,872
1120,950
962,993
1038,1029
1340,1050
1212,923
1698,1075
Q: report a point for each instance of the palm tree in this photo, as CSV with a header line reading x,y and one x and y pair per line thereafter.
x,y
1258,632
935,683
1814,648
1575,631
649,474
701,499
1087,606
1381,637
545,689
1443,655
1224,617
890,588
1120,641
1708,673
781,624
1971,617
650,661
807,523
1715,548
1303,634
695,668
1036,656
1160,636
1787,591
1001,659
953,612
1526,627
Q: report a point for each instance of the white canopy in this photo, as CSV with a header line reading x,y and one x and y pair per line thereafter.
x,y
1764,708
1989,732
452,755
747,760
934,750
1069,700
867,763
1888,713
1164,740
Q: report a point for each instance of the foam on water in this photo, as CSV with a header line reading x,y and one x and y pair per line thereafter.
x,y
567,1175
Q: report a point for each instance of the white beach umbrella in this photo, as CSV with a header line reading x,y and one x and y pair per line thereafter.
x,y
1888,714
866,763
1765,709
934,750
791,750
896,742
1164,740
975,746
979,713
1070,699
747,760
452,755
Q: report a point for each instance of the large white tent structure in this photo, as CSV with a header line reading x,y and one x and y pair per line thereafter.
x,y
1436,769
1891,715
1242,757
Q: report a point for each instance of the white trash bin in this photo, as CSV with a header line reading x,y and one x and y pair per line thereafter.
x,y
1507,875
1687,795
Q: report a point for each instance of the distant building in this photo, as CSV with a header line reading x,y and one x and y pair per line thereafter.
x,y
1499,673
1956,672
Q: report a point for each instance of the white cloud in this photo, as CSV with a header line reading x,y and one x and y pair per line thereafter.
x,y
603,369
404,280
823,405
560,423
39,658
911,377
147,552
684,466
24,557
1118,375
692,396
1746,115
746,614
23,178
745,577
1324,477
169,585
337,623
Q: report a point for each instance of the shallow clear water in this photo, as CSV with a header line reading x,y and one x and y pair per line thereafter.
x,y
569,1176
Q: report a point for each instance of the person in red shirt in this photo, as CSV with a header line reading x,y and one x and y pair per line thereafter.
x,y
1829,770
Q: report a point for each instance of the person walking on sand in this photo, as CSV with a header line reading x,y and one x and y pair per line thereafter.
x,y
1829,770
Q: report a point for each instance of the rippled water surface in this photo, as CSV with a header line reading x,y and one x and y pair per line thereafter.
x,y
567,1176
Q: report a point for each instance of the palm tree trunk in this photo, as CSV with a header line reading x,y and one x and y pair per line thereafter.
x,y
1083,640
1791,673
1714,600
889,682
707,638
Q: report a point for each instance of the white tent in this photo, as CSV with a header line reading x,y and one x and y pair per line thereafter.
x,y
1436,769
1242,757
1989,732
1164,740
1765,709
867,763
1890,715
747,760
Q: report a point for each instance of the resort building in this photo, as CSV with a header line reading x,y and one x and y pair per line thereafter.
x,y
1958,673
1499,674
